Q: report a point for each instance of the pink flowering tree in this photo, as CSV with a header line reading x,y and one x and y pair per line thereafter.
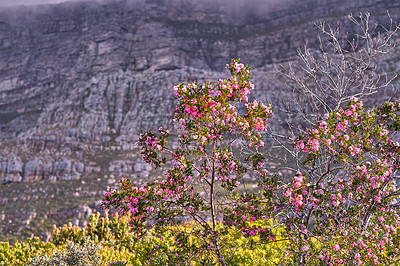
x,y
342,204
212,119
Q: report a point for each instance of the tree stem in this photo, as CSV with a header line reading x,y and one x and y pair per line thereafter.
x,y
214,237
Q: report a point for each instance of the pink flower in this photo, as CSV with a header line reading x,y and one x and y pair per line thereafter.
x,y
314,143
384,132
259,125
299,201
377,199
300,145
287,193
297,184
348,112
298,177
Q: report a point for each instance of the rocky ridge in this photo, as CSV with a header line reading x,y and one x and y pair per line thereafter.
x,y
79,81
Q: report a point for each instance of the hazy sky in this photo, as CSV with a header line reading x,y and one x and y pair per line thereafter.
x,y
30,2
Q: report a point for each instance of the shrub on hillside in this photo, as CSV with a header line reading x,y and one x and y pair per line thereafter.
x,y
75,254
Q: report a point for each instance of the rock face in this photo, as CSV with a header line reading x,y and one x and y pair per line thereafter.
x,y
11,170
81,79
41,168
37,169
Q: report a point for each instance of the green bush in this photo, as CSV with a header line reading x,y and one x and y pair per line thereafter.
x,y
76,254
118,243
108,239
114,232
22,252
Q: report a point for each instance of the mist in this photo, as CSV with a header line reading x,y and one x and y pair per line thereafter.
x,y
258,5
33,2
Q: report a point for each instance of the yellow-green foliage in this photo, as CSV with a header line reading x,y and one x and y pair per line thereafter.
x,y
113,232
22,252
240,250
117,243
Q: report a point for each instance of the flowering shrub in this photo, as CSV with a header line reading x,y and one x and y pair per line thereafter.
x,y
340,208
343,209
211,118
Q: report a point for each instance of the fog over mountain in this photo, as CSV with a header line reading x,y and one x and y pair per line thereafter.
x,y
32,2
259,3
80,80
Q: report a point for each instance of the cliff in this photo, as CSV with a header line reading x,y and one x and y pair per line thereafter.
x,y
79,81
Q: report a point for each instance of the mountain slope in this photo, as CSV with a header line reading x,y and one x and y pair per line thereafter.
x,y
79,81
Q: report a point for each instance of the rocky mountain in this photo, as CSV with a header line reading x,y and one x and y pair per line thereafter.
x,y
79,81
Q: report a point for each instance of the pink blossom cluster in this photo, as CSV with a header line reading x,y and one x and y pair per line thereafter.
x,y
209,110
259,110
150,144
341,134
236,65
297,191
243,215
226,166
